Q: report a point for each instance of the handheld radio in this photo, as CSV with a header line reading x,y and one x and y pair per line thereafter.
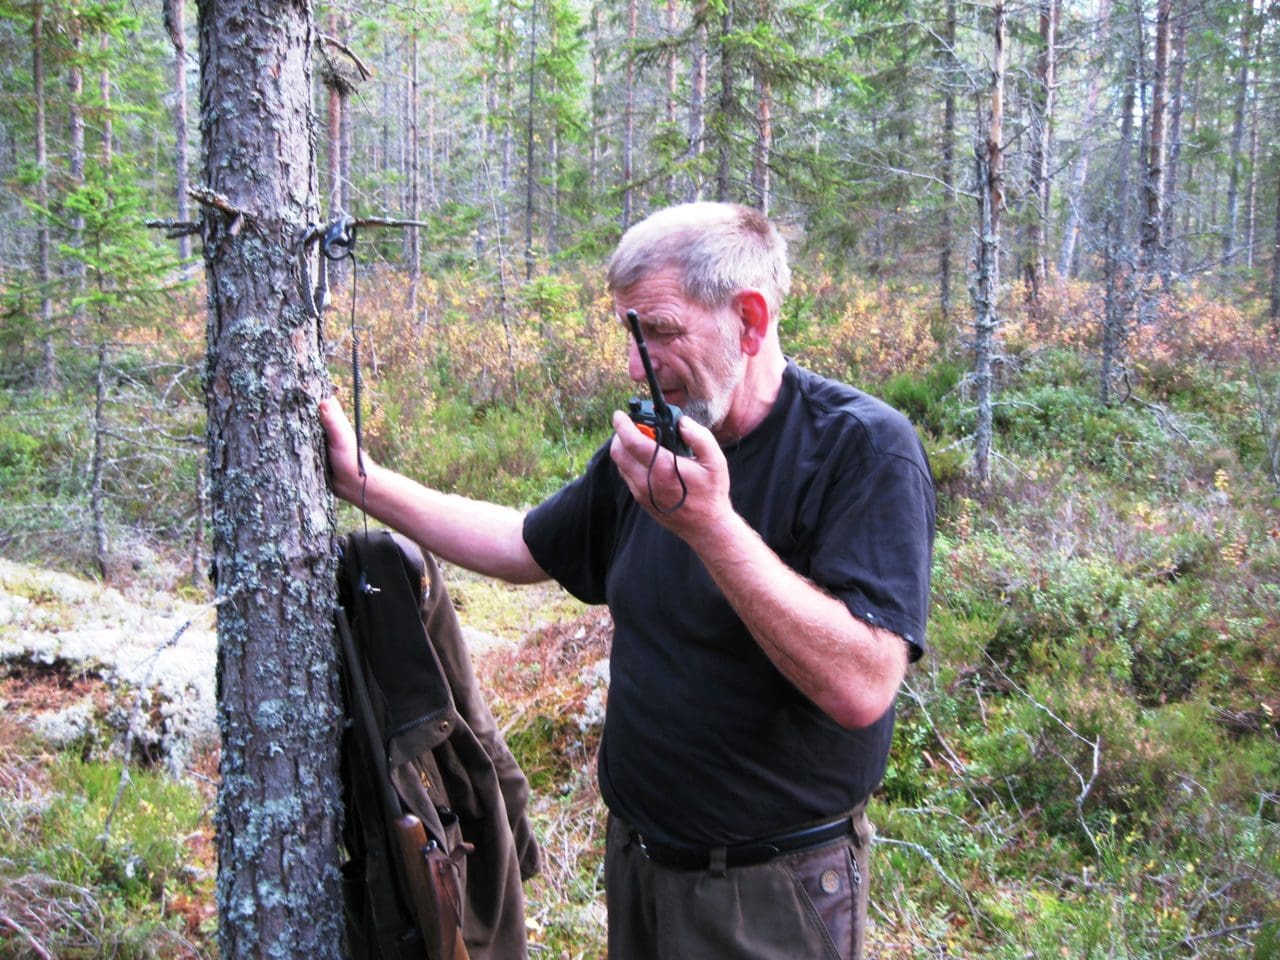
x,y
655,418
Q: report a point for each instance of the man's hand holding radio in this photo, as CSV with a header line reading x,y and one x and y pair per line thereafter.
x,y
701,481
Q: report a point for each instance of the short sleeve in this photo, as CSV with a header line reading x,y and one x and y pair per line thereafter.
x,y
572,534
875,545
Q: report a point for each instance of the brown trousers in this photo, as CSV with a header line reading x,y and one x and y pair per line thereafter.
x,y
810,905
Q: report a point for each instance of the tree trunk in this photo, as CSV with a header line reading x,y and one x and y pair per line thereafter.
x,y
1191,216
947,253
413,239
990,177
1275,258
554,158
1080,169
345,125
529,166
1118,259
1041,147
1230,240
1176,101
333,156
697,101
726,104
273,548
670,102
763,144
629,117
44,275
597,100
175,23
199,568
383,195
1251,190
506,29
104,105
76,163
1152,243
97,497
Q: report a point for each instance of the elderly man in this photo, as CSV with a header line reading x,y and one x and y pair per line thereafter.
x,y
762,626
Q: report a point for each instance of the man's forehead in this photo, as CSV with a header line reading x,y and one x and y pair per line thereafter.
x,y
666,318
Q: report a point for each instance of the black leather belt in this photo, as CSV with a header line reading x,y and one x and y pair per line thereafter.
x,y
747,853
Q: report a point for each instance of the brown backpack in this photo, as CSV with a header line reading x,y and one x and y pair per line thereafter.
x,y
435,829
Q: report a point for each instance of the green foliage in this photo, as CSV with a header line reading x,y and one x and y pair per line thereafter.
x,y
494,452
921,396
19,456
142,853
113,856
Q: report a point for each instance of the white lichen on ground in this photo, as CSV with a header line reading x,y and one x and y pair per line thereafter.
x,y
157,650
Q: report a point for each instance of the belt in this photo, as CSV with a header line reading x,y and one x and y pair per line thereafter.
x,y
748,852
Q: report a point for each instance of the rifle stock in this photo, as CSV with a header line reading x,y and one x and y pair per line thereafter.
x,y
433,885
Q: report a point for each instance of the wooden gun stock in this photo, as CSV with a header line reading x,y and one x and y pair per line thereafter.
x,y
433,885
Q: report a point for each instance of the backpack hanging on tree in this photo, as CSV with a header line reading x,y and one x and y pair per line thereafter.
x,y
437,838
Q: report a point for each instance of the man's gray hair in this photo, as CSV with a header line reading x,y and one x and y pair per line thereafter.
x,y
719,249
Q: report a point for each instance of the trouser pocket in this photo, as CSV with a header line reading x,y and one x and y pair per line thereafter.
x,y
831,881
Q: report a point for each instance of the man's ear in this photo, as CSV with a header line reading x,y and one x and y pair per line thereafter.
x,y
753,310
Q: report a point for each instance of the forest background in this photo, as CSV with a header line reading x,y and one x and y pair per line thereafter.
x,y
1049,232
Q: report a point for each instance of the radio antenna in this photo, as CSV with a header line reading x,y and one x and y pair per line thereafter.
x,y
660,408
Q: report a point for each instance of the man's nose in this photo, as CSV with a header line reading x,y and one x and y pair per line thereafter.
x,y
635,367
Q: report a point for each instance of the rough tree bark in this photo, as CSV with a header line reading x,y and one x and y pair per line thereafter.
x,y
279,888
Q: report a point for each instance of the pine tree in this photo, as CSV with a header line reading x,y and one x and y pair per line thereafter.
x,y
279,891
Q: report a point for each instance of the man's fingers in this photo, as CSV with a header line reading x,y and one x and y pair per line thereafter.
x,y
699,439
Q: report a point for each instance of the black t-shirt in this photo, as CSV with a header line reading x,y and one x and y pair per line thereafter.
x,y
705,742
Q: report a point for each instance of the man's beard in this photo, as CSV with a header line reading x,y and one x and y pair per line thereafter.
x,y
725,373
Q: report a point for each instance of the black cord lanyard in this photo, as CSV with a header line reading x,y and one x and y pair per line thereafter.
x,y
339,243
684,488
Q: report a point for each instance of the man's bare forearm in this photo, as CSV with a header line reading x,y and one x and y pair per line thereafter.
x,y
484,537
848,668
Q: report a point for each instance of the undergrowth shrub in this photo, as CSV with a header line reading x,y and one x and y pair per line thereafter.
x,y
921,396
858,332
1118,440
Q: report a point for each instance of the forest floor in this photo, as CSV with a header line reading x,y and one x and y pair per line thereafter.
x,y
88,668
